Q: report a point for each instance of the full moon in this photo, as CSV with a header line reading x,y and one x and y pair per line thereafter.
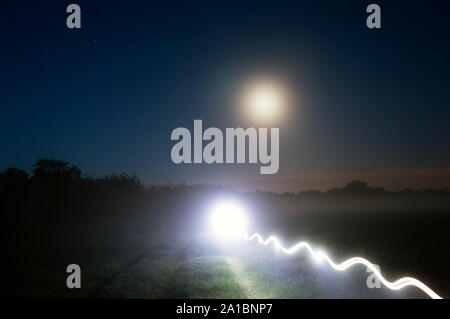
x,y
264,102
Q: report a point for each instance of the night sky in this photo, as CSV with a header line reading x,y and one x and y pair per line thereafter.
x,y
107,96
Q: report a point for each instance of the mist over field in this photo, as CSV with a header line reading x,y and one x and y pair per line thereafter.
x,y
133,240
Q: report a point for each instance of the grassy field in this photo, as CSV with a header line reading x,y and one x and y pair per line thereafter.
x,y
137,241
177,267
149,244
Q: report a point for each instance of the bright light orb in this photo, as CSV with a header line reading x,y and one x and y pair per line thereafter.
x,y
228,220
264,102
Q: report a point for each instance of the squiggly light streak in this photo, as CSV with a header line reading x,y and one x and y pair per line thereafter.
x,y
318,255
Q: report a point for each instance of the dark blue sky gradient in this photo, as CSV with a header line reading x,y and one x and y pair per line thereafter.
x,y
108,96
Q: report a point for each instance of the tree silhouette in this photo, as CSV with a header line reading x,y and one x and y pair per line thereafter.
x,y
52,170
356,186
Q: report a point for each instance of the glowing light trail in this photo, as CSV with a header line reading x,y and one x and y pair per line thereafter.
x,y
227,221
318,255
